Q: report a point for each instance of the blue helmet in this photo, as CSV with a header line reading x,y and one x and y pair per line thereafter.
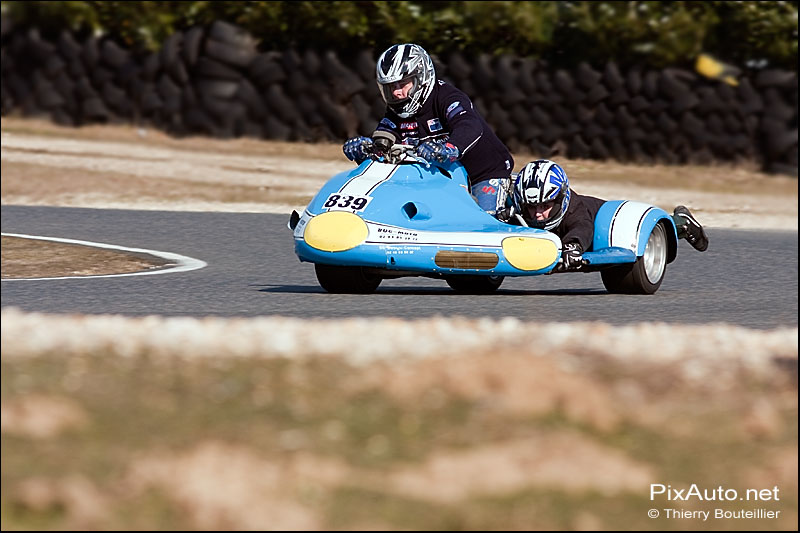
x,y
542,182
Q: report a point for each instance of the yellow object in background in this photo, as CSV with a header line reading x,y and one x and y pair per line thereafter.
x,y
717,70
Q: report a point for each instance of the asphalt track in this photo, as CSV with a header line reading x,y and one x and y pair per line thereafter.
x,y
746,277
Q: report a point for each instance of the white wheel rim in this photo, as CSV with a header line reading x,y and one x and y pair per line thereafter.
x,y
655,255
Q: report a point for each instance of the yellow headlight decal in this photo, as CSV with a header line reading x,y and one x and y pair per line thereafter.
x,y
335,231
530,253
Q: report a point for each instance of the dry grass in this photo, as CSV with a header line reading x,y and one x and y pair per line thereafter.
x,y
26,258
221,431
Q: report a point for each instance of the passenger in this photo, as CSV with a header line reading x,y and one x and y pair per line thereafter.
x,y
542,198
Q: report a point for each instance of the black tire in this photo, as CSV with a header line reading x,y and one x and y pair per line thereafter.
x,y
595,95
38,49
150,101
598,150
603,116
578,148
209,68
197,120
362,111
300,132
218,88
775,78
75,68
113,55
116,99
475,284
100,75
53,66
459,67
619,98
179,74
346,280
266,69
128,75
67,46
83,88
170,49
62,117
612,78
229,54
169,92
337,117
276,130
94,110
251,98
280,104
191,45
645,275
228,33
151,65
46,96
587,77
312,64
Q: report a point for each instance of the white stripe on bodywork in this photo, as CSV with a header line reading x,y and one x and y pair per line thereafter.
x,y
366,182
396,235
386,234
626,224
182,262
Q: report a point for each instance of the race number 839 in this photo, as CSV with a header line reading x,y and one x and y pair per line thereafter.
x,y
337,202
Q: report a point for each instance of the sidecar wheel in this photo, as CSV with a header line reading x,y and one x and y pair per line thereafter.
x,y
475,284
645,275
347,280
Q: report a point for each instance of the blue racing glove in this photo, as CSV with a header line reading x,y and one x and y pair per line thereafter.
x,y
357,148
437,151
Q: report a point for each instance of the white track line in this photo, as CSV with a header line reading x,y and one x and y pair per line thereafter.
x,y
184,263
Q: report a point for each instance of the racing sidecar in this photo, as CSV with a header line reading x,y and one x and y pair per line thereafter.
x,y
397,215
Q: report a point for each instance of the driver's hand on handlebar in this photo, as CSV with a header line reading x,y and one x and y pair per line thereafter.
x,y
437,151
357,149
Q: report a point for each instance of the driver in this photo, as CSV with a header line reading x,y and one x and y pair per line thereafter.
x,y
542,198
440,120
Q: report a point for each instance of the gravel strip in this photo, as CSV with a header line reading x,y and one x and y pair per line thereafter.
x,y
717,351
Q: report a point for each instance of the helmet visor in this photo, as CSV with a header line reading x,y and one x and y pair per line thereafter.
x,y
397,92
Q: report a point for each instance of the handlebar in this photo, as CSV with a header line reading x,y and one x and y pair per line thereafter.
x,y
396,154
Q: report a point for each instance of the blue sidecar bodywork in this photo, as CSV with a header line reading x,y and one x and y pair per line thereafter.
x,y
405,218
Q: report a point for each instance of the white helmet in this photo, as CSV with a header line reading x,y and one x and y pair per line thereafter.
x,y
406,62
542,182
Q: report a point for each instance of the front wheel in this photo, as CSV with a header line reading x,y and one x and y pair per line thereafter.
x,y
475,284
346,279
644,276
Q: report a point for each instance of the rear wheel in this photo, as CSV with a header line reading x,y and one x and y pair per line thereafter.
x,y
475,284
346,279
644,276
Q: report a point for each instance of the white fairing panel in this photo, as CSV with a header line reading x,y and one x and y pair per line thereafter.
x,y
626,225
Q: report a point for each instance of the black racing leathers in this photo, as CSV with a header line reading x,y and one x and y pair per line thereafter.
x,y
578,224
449,112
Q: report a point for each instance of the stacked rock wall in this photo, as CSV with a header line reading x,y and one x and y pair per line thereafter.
x,y
214,81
